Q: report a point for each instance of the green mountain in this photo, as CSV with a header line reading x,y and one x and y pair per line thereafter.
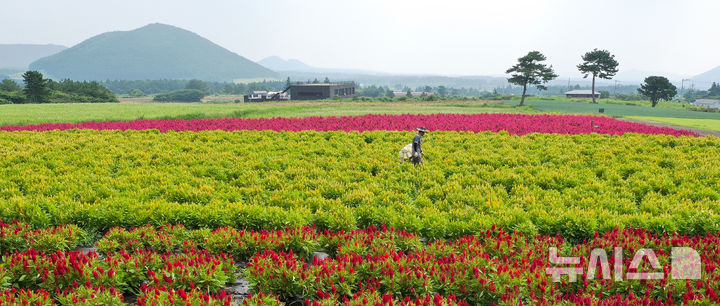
x,y
19,56
156,51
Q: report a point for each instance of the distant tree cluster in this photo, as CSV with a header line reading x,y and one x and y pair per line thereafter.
x,y
244,89
712,93
38,89
714,90
184,95
151,87
373,91
74,91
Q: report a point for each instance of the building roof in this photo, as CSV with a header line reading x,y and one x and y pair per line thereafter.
x,y
581,92
324,84
706,101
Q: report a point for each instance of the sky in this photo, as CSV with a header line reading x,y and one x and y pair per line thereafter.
x,y
675,38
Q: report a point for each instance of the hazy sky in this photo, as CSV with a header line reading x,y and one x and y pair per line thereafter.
x,y
450,37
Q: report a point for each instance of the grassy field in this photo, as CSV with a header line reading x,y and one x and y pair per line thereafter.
x,y
22,114
705,124
615,110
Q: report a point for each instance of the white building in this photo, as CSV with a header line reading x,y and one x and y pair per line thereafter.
x,y
709,103
580,93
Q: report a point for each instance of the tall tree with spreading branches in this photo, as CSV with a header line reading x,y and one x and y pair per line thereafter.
x,y
599,64
531,71
657,88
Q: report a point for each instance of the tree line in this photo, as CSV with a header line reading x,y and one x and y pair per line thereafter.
x,y
531,71
152,87
712,93
38,89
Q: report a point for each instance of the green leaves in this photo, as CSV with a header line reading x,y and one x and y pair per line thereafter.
x,y
250,180
657,88
530,71
599,63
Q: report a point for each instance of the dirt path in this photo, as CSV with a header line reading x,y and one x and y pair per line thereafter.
x,y
678,127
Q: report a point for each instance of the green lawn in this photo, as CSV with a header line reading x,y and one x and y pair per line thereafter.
x,y
21,114
614,110
705,124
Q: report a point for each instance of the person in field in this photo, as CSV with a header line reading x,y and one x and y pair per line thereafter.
x,y
414,149
417,153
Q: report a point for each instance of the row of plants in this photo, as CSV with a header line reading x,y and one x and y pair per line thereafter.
x,y
77,277
91,296
513,123
242,244
494,267
370,266
572,185
19,236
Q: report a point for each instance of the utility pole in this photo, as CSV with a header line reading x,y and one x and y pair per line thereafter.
x,y
568,84
615,90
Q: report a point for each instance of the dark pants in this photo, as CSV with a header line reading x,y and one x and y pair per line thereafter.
x,y
416,160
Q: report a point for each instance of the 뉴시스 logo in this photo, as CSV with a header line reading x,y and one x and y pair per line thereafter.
x,y
685,264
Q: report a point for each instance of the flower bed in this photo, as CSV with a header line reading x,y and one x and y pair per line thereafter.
x,y
374,265
19,236
512,123
574,185
492,267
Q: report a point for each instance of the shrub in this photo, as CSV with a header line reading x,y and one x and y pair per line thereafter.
x,y
180,297
136,93
91,296
185,95
26,297
12,97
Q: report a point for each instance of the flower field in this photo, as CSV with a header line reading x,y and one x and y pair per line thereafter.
x,y
572,185
174,265
512,123
320,211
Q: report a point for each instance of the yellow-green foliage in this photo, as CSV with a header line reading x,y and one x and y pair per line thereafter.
x,y
547,184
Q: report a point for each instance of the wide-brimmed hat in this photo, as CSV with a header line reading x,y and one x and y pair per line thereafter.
x,y
422,129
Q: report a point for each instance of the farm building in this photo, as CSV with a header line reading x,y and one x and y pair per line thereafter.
x,y
579,93
262,96
709,103
321,91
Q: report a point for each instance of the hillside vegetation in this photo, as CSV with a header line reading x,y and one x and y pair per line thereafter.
x,y
156,51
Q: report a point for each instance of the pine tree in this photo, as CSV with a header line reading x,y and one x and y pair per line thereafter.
x,y
36,87
599,64
530,71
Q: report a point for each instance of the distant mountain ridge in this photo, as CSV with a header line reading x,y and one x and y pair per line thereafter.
x,y
279,64
156,51
19,56
710,76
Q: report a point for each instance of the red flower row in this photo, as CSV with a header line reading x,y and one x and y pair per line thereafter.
x,y
381,266
18,236
66,271
512,123
496,266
